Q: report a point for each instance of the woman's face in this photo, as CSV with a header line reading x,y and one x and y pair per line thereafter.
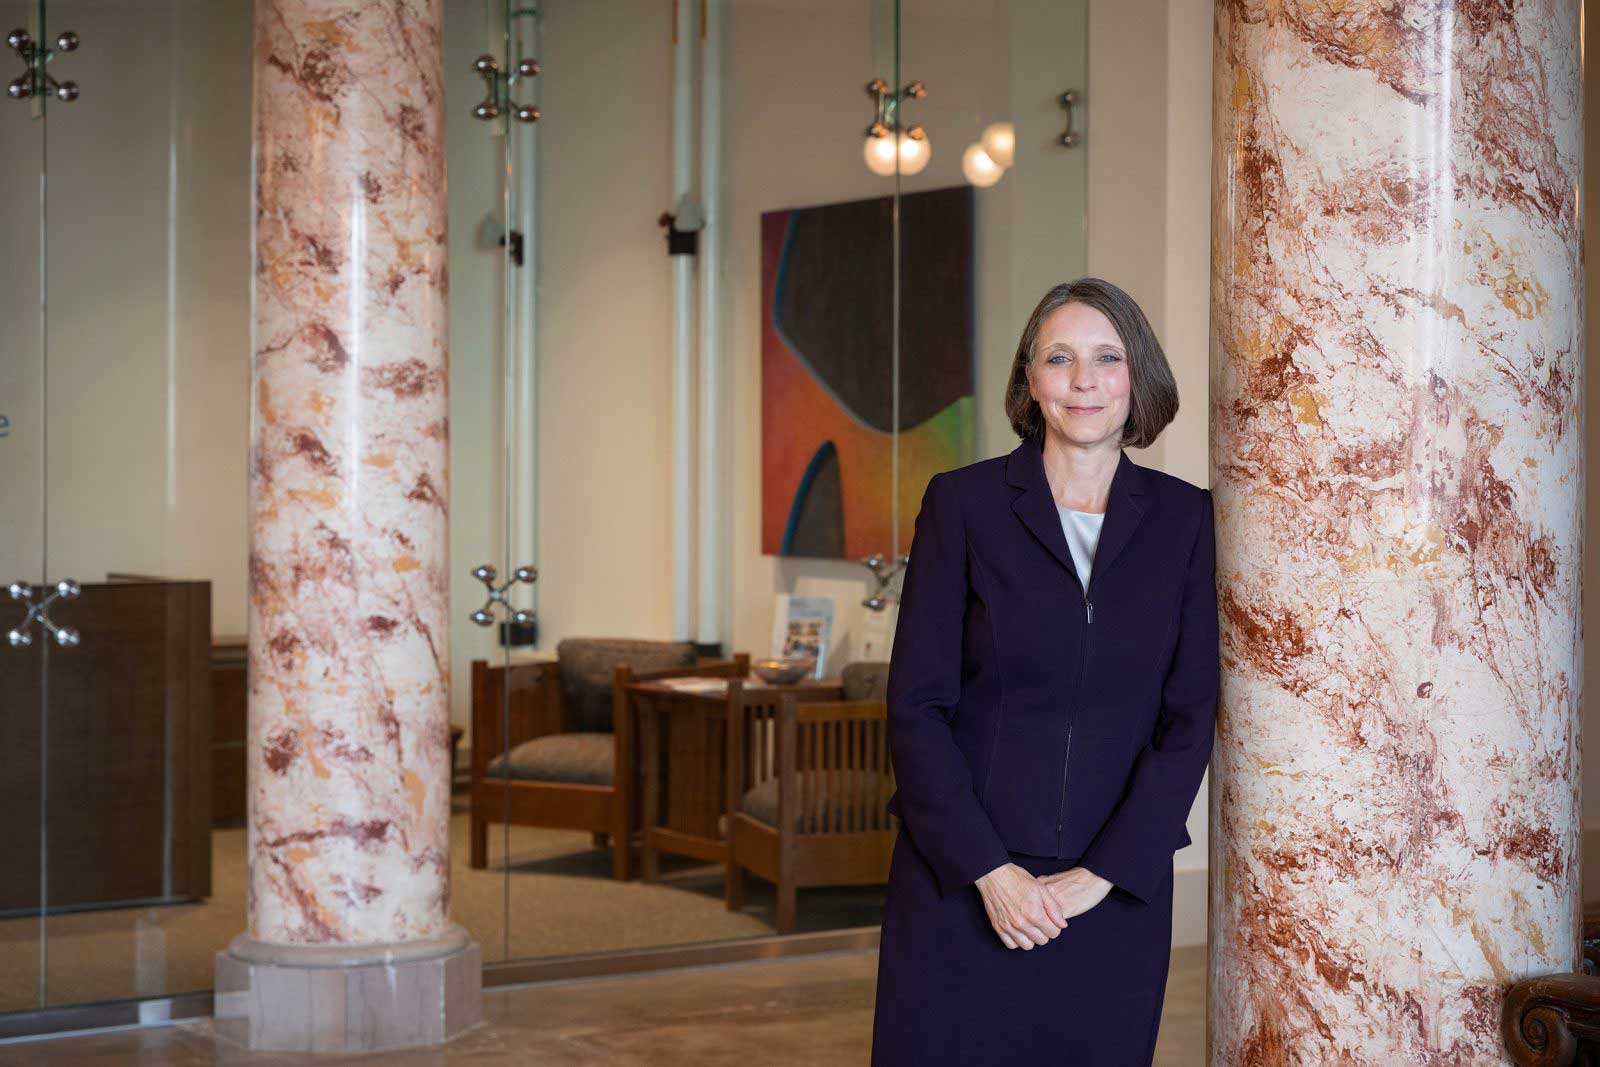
x,y
1079,375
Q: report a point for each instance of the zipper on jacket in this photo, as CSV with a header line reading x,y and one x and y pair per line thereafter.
x,y
1066,758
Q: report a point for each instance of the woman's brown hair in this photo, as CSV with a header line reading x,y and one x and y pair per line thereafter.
x,y
1152,391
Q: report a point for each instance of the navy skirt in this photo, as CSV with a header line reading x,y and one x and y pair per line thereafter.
x,y
950,992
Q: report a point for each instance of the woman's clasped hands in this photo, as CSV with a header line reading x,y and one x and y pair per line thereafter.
x,y
1026,910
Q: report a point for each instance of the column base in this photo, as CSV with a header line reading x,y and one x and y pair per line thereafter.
x,y
357,998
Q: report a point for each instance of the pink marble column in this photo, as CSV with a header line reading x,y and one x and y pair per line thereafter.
x,y
1397,408
349,794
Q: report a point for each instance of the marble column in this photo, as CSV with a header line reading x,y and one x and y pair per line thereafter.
x,y
349,945
1397,415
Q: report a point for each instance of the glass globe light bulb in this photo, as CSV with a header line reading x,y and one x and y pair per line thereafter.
x,y
879,154
914,153
999,142
979,168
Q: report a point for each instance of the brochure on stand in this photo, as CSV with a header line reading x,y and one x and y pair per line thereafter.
x,y
803,626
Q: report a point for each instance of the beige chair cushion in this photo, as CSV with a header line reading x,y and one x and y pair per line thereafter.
x,y
762,801
587,758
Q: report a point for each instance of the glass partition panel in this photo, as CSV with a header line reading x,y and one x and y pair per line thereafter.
x,y
22,485
809,243
999,184
149,270
867,300
148,277
482,265
799,246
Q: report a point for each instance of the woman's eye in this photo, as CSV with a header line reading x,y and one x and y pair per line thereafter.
x,y
1112,356
1058,357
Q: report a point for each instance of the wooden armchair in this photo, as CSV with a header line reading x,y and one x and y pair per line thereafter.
x,y
812,814
568,757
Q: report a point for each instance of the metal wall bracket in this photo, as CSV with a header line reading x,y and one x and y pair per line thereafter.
x,y
35,81
21,636
486,574
1069,99
498,87
886,108
884,572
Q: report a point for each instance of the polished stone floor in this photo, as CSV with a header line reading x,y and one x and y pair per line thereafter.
x,y
800,1010
563,902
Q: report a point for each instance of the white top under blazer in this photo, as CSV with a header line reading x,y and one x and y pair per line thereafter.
x,y
1083,533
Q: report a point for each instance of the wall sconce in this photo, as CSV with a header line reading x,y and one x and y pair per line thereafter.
x,y
999,143
985,161
979,167
886,140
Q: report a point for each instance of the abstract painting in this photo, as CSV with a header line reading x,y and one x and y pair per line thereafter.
x,y
827,375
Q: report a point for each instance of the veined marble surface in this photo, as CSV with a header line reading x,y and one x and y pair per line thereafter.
x,y
349,636
1397,413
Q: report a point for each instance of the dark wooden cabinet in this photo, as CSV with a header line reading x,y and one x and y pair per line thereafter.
x,y
105,751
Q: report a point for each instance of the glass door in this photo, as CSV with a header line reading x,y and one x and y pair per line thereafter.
x,y
145,437
517,129
22,515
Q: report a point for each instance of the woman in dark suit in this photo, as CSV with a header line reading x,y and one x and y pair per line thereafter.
x,y
1052,696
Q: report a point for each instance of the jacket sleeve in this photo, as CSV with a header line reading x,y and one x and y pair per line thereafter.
x,y
1134,848
933,782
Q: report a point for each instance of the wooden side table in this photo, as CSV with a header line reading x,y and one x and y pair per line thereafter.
x,y
682,734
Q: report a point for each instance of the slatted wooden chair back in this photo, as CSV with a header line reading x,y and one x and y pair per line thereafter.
x,y
831,756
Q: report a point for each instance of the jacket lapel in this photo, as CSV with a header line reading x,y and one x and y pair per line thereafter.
x,y
1035,505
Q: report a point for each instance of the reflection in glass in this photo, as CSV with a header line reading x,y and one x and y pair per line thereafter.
x,y
22,562
899,291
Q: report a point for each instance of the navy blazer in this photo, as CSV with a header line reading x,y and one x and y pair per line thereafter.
x,y
1029,714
